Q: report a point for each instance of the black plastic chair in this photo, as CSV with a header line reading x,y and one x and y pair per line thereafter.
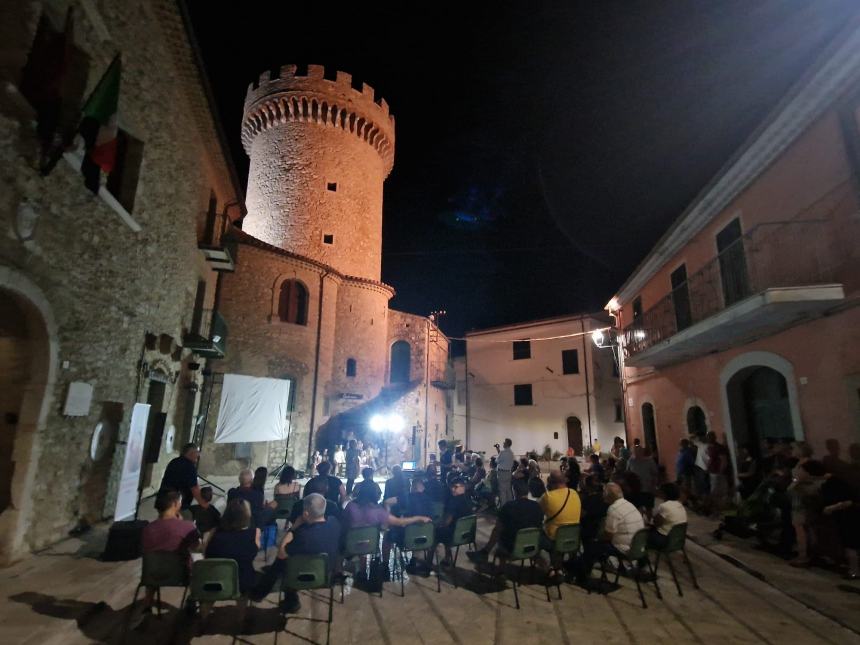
x,y
161,569
359,542
676,541
526,547
464,533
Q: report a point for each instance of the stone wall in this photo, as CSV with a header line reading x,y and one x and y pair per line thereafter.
x,y
106,285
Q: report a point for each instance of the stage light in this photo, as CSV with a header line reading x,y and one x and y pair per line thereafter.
x,y
377,423
395,423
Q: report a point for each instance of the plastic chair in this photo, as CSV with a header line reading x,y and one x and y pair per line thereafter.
x,y
676,541
161,569
358,542
417,538
638,552
463,533
526,547
567,542
306,572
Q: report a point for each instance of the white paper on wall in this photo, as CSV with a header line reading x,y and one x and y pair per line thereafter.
x,y
252,409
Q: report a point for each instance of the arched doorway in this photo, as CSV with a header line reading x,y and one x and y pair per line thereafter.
x,y
759,407
574,434
697,423
649,429
400,362
27,364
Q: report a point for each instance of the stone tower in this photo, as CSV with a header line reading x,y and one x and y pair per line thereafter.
x,y
319,152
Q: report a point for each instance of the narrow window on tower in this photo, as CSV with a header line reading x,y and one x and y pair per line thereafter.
x,y
328,238
332,186
350,367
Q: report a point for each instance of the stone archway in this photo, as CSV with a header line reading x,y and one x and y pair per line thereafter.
x,y
28,352
754,386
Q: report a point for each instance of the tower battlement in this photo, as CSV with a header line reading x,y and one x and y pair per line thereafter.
x,y
317,98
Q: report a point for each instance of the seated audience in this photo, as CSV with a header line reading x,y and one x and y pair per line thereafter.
x,y
573,474
560,505
237,539
396,487
260,476
842,503
253,496
206,518
593,508
169,533
367,482
479,473
336,489
318,485
595,468
287,484
670,513
312,533
456,506
642,465
622,521
519,513
536,488
522,470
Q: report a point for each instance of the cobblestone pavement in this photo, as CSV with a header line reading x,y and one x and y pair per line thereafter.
x,y
66,595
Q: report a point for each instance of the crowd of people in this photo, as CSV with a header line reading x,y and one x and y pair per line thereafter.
x,y
784,492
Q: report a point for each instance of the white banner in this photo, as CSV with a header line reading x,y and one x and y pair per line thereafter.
x,y
126,500
252,409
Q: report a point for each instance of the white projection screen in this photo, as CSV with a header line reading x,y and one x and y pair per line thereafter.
x,y
252,409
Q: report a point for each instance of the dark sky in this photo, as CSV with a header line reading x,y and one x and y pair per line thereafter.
x,y
542,147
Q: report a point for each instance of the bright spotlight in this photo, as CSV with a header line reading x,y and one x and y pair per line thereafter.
x,y
377,423
395,423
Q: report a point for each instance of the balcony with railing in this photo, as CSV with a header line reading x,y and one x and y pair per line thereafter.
x,y
217,247
209,337
774,276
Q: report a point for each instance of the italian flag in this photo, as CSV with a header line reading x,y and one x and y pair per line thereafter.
x,y
99,126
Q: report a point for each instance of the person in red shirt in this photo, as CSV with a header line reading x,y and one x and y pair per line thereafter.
x,y
169,533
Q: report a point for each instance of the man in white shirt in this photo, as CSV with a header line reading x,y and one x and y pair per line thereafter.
x,y
668,515
504,466
622,521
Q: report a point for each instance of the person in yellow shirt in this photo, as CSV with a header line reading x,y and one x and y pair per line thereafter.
x,y
560,505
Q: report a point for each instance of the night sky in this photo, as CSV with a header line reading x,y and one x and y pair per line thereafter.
x,y
542,147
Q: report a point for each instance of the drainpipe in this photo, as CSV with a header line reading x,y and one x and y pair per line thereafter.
x,y
587,390
323,276
426,392
468,405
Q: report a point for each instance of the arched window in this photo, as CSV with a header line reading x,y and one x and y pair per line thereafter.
x,y
697,424
350,367
400,362
293,303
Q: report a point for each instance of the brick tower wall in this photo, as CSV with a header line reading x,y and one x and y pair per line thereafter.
x,y
319,153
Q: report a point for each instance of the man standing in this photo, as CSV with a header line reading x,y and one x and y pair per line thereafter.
x,y
504,466
446,459
181,475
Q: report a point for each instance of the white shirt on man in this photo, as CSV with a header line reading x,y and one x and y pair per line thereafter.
x,y
671,512
505,460
622,521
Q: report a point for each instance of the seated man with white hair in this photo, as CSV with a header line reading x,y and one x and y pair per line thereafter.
x,y
253,496
310,534
623,520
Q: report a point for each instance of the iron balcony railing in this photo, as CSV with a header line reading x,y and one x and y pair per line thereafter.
x,y
771,255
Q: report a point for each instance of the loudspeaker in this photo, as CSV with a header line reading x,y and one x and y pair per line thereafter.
x,y
123,542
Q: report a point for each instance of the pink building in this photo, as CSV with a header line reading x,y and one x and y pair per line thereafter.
x,y
743,319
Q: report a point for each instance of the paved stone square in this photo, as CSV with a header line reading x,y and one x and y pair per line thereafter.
x,y
66,595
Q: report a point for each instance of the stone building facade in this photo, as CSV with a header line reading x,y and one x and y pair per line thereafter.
x,y
306,302
104,291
